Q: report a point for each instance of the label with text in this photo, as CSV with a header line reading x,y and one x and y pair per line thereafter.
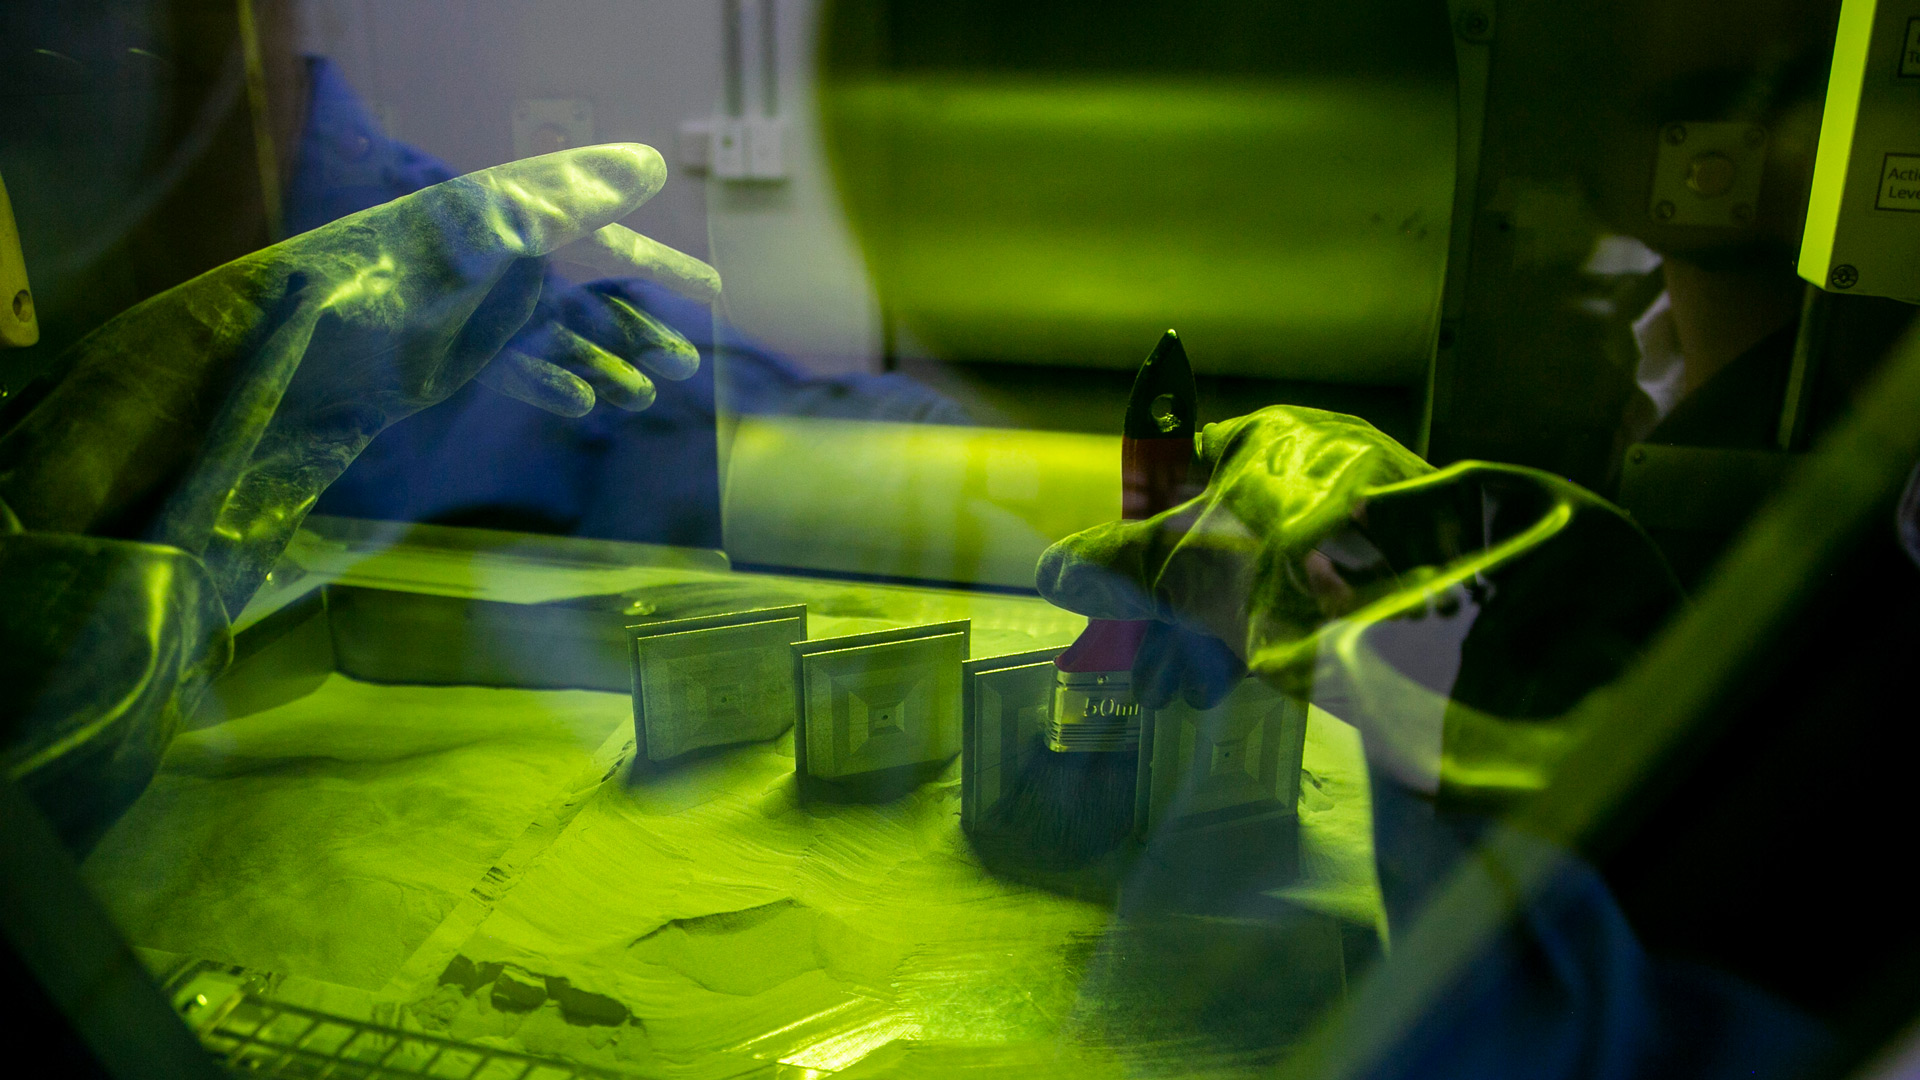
x,y
1910,51
1899,183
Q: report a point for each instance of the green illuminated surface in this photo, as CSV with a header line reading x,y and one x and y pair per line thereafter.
x,y
924,501
1295,229
1837,125
330,836
364,840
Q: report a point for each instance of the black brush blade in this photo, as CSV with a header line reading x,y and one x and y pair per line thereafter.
x,y
1064,810
1164,403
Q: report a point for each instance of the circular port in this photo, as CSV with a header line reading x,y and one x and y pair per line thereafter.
x,y
1162,412
1711,175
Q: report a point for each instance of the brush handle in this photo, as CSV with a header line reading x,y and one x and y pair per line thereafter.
x,y
1154,476
1105,645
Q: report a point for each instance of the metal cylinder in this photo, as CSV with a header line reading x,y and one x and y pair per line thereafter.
x,y
1093,711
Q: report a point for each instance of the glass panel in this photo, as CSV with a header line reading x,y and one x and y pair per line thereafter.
x,y
793,538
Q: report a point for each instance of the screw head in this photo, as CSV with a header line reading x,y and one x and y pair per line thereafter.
x,y
1742,213
1844,276
1474,25
1664,210
1674,134
1637,456
1756,137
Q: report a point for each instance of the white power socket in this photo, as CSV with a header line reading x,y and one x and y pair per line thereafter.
x,y
730,148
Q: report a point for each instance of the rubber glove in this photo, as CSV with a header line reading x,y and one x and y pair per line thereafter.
x,y
1443,613
146,497
210,417
582,341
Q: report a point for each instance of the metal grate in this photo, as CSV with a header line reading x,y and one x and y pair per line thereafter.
x,y
257,1037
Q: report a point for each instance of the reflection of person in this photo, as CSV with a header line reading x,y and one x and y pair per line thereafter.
x,y
1454,616
148,494
1727,868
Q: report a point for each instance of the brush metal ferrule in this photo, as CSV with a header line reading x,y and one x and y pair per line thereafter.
x,y
1093,711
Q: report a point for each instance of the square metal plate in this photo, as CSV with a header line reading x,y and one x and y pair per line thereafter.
x,y
712,681
874,704
1004,702
1708,173
1235,763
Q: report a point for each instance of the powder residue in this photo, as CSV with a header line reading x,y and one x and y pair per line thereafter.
x,y
329,836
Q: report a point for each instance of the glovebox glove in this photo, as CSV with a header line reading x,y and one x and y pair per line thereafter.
x,y
1444,613
1239,562
582,341
210,417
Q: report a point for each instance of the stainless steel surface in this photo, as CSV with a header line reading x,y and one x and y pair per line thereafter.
x,y
358,540
442,606
875,705
1005,702
713,681
747,783
450,606
382,635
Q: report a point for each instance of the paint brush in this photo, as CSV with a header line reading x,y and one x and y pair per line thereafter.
x,y
1072,800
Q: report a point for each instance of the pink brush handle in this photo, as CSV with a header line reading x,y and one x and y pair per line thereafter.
x,y
1153,478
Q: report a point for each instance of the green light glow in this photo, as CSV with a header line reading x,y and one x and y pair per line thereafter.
x,y
1836,139
1047,220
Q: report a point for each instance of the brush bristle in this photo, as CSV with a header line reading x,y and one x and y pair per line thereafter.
x,y
1065,810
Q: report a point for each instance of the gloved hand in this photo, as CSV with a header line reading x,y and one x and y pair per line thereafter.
x,y
1442,613
580,344
1238,564
210,417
